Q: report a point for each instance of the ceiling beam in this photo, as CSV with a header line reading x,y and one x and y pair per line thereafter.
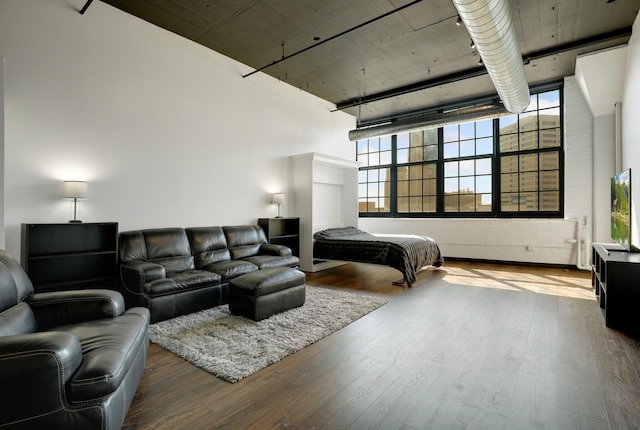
x,y
478,71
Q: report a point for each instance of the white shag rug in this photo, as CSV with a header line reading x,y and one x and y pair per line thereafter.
x,y
233,347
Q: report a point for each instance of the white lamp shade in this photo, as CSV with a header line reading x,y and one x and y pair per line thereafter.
x,y
74,190
277,198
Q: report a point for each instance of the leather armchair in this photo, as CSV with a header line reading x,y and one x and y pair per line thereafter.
x,y
68,359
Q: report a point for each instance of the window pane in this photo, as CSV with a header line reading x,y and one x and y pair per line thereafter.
x,y
484,146
528,162
415,172
403,156
362,146
385,143
430,171
385,157
403,204
372,190
467,130
483,184
509,164
451,150
529,181
467,167
429,187
550,138
374,159
431,136
529,140
373,175
509,124
483,203
483,166
528,121
451,185
533,102
549,99
415,204
509,142
528,202
549,160
467,185
550,201
363,159
403,189
402,140
416,154
429,204
484,128
550,180
467,148
451,203
509,202
415,188
451,133
450,169
432,153
509,183
374,144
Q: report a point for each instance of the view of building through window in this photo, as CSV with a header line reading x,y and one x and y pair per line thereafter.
x,y
504,166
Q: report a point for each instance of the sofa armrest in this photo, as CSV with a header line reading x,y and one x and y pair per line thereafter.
x,y
34,369
273,249
57,308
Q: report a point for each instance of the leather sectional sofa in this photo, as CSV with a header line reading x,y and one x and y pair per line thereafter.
x,y
175,271
68,359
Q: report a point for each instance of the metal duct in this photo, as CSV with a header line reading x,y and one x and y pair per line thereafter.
x,y
435,120
491,28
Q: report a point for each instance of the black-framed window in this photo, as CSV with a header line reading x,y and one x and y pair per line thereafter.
x,y
512,166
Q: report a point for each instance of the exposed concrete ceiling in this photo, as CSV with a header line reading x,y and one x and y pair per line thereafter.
x,y
379,59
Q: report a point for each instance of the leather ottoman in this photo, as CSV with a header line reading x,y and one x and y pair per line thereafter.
x,y
263,293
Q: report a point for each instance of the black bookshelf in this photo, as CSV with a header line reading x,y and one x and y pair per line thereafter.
x,y
70,256
282,231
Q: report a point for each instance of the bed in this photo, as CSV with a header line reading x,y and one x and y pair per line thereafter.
x,y
404,252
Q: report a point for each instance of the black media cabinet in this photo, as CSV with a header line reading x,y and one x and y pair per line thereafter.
x,y
615,278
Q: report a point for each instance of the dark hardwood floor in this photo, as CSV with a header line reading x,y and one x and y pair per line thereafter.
x,y
469,346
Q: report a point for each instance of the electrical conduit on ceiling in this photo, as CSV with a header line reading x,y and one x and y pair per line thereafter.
x,y
491,28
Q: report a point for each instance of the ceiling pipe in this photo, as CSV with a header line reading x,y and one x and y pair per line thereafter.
x,y
491,28
434,120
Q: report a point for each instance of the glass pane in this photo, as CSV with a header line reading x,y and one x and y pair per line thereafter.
x,y
483,166
432,153
451,150
403,156
509,124
403,188
416,154
533,102
451,133
509,164
528,202
528,121
529,140
483,184
430,171
467,130
529,181
403,173
429,187
385,205
451,203
362,190
372,190
528,162
363,205
550,180
549,99
467,148
467,185
549,160
385,143
362,176
509,183
467,167
483,203
362,146
451,185
429,204
402,140
484,128
374,144
373,175
550,201
374,159
403,204
431,136
509,142
363,159
415,204
550,138
416,138
385,157
415,188
450,169
415,172
484,146
549,118
509,202
467,203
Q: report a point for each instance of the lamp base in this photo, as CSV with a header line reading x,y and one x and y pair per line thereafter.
x,y
74,221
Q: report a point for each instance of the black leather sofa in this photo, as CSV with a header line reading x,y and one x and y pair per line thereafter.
x,y
68,359
175,271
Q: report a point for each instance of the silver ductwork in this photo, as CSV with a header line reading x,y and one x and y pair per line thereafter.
x,y
490,26
475,113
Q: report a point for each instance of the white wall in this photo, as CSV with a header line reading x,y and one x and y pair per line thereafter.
x,y
631,128
166,132
522,240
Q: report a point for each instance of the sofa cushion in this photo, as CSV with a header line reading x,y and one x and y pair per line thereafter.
x,y
244,240
182,281
230,269
270,261
109,347
208,245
